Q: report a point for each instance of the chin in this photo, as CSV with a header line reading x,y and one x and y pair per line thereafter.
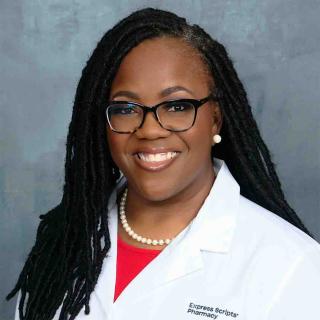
x,y
156,192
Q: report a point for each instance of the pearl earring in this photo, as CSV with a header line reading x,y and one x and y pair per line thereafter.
x,y
216,138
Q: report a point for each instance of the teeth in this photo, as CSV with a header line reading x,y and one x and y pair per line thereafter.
x,y
156,157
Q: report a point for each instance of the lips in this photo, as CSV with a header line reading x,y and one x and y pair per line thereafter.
x,y
155,161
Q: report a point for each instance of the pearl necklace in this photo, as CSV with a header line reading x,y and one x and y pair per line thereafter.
x,y
128,229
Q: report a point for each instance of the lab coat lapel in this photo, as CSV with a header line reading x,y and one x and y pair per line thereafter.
x,y
179,259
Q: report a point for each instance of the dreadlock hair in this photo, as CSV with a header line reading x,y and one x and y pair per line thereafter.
x,y
73,238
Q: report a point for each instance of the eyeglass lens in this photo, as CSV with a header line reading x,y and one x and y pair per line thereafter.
x,y
174,115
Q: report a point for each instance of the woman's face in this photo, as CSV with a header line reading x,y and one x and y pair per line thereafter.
x,y
158,70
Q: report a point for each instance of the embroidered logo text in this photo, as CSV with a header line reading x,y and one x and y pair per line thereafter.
x,y
210,312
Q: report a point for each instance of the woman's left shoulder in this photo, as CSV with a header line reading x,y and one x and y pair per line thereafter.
x,y
262,227
279,262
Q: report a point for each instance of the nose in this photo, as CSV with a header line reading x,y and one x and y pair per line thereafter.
x,y
151,128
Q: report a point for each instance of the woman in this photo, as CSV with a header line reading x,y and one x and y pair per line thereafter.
x,y
172,208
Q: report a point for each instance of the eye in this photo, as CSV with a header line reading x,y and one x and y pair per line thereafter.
x,y
123,109
127,110
179,106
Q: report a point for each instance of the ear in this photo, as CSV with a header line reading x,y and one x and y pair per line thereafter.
x,y
217,119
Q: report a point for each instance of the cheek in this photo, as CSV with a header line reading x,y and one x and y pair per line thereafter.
x,y
200,136
201,147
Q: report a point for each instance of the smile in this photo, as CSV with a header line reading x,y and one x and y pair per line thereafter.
x,y
156,157
155,161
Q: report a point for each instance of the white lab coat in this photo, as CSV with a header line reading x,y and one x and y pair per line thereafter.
x,y
236,260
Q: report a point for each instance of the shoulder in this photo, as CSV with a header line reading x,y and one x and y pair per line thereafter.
x,y
275,250
272,246
282,263
262,227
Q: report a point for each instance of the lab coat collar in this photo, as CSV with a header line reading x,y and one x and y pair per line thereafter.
x,y
215,223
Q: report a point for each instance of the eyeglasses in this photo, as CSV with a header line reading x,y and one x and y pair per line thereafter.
x,y
174,115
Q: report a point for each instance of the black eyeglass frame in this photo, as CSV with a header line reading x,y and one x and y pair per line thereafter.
x,y
196,103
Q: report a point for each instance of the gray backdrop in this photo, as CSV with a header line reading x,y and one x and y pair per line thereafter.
x,y
275,45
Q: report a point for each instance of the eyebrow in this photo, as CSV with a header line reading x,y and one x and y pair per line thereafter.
x,y
163,93
174,89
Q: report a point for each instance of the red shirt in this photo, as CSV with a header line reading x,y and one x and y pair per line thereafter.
x,y
130,261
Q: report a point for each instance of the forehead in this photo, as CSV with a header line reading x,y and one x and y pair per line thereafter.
x,y
159,63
